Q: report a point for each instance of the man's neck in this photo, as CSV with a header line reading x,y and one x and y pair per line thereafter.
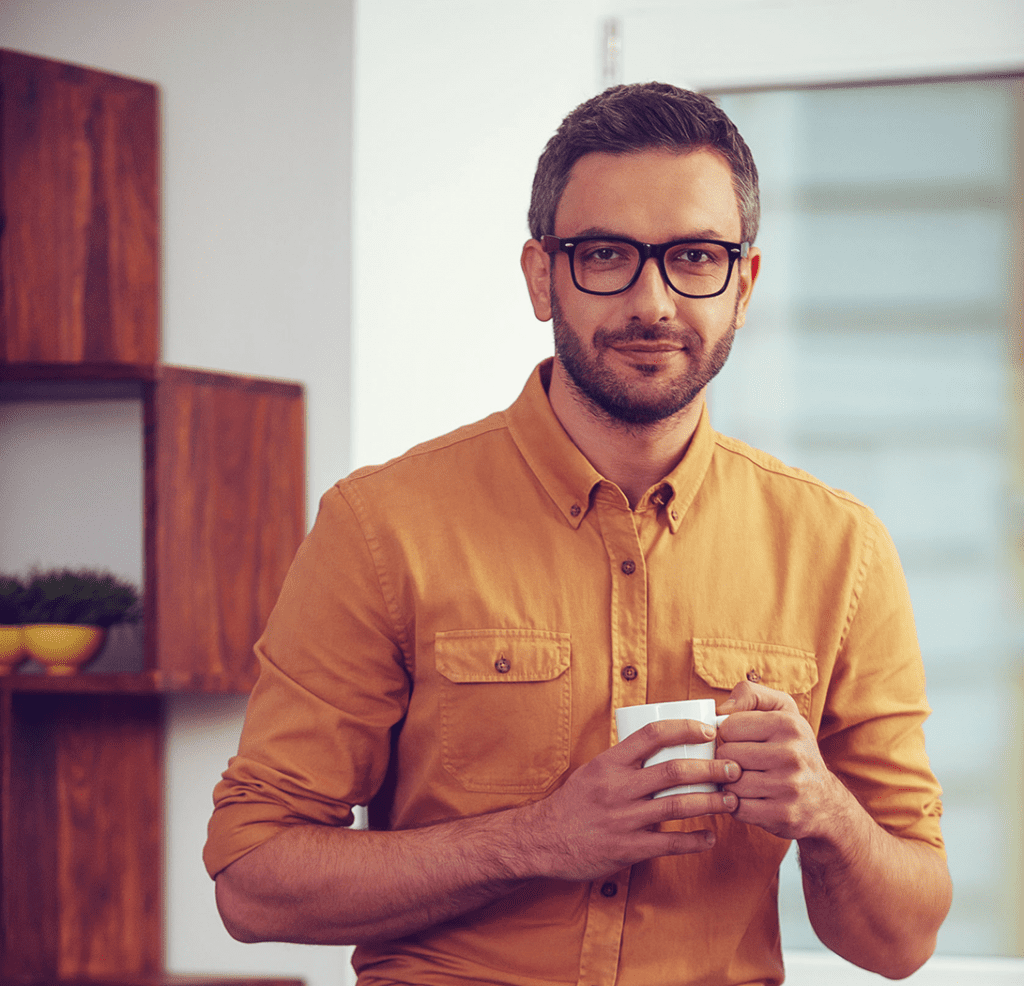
x,y
634,457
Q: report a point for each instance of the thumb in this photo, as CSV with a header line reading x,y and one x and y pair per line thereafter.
x,y
748,697
735,702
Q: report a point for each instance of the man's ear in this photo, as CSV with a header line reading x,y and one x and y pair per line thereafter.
x,y
748,271
537,271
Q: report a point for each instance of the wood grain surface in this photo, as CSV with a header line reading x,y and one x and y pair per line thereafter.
x,y
82,843
81,789
159,979
79,196
227,509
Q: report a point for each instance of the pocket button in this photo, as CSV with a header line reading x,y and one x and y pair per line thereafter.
x,y
503,665
753,676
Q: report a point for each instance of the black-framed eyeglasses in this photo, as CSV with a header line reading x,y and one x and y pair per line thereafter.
x,y
612,264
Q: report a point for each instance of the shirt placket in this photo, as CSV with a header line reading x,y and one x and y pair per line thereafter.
x,y
606,904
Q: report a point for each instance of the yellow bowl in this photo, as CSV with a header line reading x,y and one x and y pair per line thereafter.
x,y
12,648
63,648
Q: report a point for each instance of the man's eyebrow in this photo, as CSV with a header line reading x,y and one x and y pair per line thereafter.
x,y
602,232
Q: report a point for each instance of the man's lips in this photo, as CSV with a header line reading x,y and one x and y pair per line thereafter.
x,y
646,340
648,347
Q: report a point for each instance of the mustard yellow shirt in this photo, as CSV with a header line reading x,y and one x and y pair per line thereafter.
x,y
494,595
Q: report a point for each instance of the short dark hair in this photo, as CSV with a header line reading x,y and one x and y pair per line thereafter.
x,y
639,117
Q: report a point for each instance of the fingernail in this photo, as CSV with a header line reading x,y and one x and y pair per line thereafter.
x,y
731,802
709,838
709,730
732,771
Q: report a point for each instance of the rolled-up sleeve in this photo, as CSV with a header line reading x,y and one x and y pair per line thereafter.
x,y
872,732
332,683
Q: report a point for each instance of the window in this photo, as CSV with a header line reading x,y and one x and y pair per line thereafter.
x,y
882,354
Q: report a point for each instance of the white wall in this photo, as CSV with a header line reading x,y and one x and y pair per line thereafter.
x,y
747,43
455,101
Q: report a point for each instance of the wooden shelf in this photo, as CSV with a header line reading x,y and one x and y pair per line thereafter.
x,y
147,683
80,196
81,817
223,476
224,506
162,979
50,372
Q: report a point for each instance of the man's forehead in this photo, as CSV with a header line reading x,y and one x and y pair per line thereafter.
x,y
653,187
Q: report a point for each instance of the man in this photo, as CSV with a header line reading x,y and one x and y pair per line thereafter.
x,y
461,623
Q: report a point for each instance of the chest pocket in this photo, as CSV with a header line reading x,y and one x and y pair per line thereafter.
x,y
504,703
720,664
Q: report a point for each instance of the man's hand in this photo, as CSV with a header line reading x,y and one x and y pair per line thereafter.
x,y
604,819
397,883
872,897
785,788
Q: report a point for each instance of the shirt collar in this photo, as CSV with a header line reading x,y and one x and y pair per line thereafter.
x,y
680,486
567,475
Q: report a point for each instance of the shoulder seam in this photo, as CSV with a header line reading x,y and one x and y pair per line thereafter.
x,y
354,500
760,460
465,434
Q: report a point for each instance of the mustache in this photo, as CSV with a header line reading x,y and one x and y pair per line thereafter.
x,y
637,331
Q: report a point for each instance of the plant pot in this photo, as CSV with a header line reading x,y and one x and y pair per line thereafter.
x,y
12,648
63,647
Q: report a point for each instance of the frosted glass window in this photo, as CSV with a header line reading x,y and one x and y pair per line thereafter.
x,y
878,356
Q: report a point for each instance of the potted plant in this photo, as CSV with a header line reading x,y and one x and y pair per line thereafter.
x,y
12,606
67,614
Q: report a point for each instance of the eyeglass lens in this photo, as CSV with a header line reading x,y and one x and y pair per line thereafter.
x,y
695,269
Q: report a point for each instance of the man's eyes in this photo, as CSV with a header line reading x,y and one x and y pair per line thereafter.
x,y
597,253
696,255
605,253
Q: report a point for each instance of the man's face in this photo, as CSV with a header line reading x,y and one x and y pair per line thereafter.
x,y
645,354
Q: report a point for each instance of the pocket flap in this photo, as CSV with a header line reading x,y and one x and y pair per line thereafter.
x,y
724,663
501,655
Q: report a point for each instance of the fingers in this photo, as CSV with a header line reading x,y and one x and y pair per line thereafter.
x,y
681,843
674,807
748,697
655,736
673,773
759,727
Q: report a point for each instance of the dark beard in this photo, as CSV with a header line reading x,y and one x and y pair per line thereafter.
x,y
599,387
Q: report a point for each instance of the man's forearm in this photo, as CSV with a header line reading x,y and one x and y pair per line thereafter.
x,y
874,898
317,885
321,885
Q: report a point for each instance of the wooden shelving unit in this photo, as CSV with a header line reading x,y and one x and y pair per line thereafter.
x,y
81,785
163,979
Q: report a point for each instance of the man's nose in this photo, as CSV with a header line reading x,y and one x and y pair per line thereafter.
x,y
650,298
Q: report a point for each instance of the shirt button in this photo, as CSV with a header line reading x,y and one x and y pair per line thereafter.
x,y
503,665
753,676
629,672
609,889
628,566
575,510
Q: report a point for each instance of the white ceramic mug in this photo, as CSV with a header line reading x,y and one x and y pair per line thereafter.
x,y
633,717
